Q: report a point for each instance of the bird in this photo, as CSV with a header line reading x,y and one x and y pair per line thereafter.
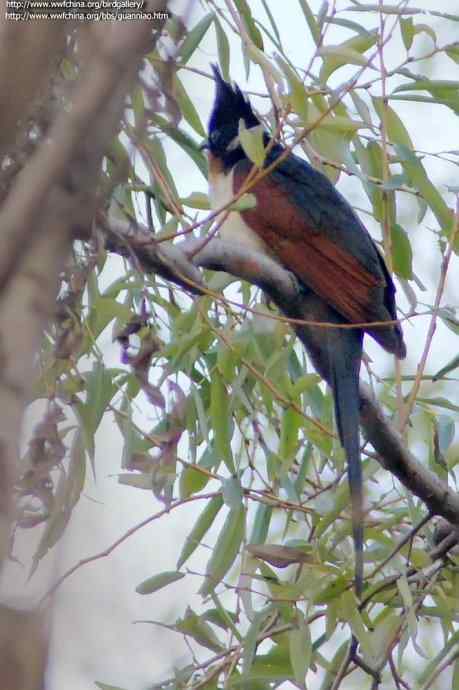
x,y
303,222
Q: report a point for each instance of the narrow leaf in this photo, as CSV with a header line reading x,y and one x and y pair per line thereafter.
x,y
203,524
250,640
188,109
196,627
225,550
402,255
261,524
310,20
348,52
453,52
252,143
279,556
452,364
300,648
194,38
153,584
253,30
223,50
407,30
221,420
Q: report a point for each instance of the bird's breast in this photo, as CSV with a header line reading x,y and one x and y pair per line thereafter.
x,y
234,229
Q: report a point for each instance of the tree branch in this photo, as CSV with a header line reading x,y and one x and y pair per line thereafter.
x,y
51,198
280,285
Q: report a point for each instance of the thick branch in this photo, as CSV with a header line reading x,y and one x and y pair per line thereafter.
x,y
51,197
283,289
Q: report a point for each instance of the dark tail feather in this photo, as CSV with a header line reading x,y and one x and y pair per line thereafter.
x,y
336,354
345,352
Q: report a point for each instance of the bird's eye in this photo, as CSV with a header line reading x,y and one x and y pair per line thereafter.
x,y
214,136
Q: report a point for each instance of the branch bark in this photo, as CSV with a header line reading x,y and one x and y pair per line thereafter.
x,y
179,263
52,198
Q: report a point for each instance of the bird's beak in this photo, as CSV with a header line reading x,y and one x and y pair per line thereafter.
x,y
204,145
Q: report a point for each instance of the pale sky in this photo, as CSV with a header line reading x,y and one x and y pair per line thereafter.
x,y
93,633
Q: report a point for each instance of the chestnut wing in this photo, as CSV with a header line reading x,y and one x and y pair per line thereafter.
x,y
314,233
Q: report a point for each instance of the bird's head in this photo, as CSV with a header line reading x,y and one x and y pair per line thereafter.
x,y
230,106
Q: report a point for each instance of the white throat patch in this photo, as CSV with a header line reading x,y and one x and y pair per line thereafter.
x,y
234,229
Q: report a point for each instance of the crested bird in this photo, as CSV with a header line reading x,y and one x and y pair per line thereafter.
x,y
309,228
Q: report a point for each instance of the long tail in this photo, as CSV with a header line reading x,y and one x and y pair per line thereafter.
x,y
345,352
336,354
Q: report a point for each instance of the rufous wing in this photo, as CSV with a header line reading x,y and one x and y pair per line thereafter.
x,y
323,258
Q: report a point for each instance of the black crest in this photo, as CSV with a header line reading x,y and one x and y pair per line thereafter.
x,y
230,106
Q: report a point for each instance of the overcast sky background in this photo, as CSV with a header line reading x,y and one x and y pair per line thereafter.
x,y
94,637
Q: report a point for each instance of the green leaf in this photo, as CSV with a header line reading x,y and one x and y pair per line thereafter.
x,y
435,663
437,87
252,143
445,429
220,616
333,146
76,472
332,590
348,52
261,524
444,92
448,317
349,611
311,21
103,311
187,108
186,143
426,29
220,414
407,30
225,550
252,28
455,679
203,524
271,667
348,24
223,50
347,56
158,155
279,556
232,492
404,589
440,402
402,255
418,178
194,38
196,627
297,97
381,637
396,130
138,106
244,203
100,391
300,647
142,481
414,169
450,366
104,686
453,52
156,582
291,423
56,522
250,640
192,481
197,200
362,108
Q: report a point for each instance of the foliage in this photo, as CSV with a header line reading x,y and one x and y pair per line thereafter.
x,y
241,419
